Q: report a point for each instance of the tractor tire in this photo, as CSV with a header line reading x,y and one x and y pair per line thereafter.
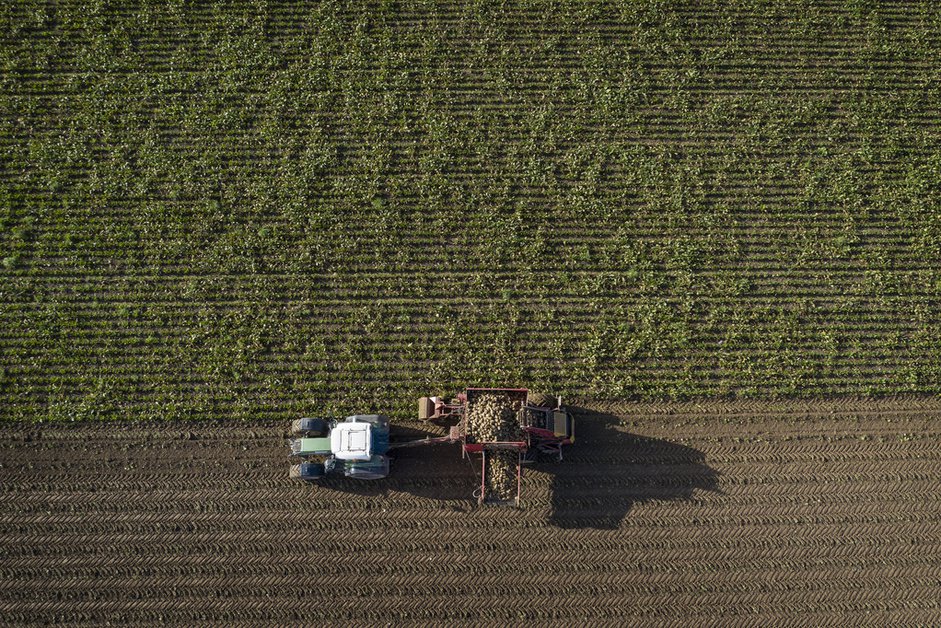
x,y
541,400
310,427
308,471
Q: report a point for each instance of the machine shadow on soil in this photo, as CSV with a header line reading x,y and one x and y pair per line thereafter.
x,y
601,477
609,470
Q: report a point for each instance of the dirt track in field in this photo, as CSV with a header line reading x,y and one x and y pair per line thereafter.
x,y
731,512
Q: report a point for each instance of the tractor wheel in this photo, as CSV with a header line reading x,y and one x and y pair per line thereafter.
x,y
308,471
310,427
541,400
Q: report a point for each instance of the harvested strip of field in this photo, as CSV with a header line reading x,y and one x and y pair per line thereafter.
x,y
754,512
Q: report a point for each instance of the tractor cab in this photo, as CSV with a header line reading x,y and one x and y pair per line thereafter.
x,y
351,441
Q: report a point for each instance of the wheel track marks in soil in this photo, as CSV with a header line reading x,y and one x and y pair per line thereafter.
x,y
778,582
830,489
614,606
23,574
807,528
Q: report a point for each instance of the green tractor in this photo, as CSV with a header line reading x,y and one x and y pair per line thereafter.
x,y
355,447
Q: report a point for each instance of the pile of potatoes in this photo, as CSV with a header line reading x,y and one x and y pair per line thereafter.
x,y
491,418
501,474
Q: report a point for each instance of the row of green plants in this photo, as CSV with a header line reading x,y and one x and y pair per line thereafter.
x,y
242,209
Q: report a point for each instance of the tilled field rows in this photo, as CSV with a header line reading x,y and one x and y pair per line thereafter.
x,y
758,512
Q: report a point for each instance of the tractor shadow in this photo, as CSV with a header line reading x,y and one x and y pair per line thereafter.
x,y
608,470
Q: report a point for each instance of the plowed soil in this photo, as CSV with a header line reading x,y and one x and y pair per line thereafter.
x,y
717,512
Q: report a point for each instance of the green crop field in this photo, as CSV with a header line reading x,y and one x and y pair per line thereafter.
x,y
260,209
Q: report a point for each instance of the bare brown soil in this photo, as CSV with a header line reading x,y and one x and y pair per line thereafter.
x,y
793,512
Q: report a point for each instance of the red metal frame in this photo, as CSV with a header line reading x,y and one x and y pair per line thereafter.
x,y
545,439
518,395
444,410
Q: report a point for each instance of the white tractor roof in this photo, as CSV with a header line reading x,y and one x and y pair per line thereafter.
x,y
351,441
